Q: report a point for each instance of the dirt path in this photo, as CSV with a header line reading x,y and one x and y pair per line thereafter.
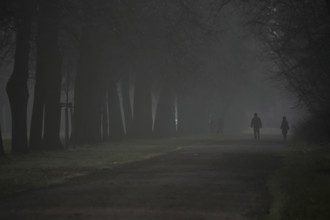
x,y
218,180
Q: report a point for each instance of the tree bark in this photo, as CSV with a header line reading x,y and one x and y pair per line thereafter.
x,y
142,118
89,90
105,118
17,85
2,151
328,5
184,118
46,107
116,129
127,104
36,130
165,114
49,28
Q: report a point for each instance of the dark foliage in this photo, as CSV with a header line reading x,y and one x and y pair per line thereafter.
x,y
296,36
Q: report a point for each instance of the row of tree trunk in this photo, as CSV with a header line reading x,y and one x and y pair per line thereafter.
x,y
100,114
45,123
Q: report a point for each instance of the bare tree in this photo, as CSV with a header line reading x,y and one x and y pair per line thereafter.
x,y
296,36
89,90
46,109
17,84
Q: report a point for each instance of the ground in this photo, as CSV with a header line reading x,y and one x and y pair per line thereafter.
x,y
219,179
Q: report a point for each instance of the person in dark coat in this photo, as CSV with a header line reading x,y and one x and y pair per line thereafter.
x,y
285,127
256,125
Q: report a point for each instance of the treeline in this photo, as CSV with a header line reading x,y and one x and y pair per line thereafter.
x,y
296,36
100,51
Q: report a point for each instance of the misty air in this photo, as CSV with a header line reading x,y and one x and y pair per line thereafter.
x,y
164,109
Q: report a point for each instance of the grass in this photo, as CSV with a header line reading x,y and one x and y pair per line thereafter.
x,y
38,170
301,188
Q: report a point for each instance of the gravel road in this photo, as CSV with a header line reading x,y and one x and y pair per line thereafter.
x,y
222,180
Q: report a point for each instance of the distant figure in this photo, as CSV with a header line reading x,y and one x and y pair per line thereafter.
x,y
256,125
220,125
285,127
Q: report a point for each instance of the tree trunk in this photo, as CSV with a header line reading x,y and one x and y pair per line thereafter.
x,y
184,118
105,118
17,85
87,113
2,151
46,107
127,104
328,5
165,114
36,129
49,29
89,91
116,129
142,118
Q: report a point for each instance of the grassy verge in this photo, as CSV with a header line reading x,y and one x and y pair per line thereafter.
x,y
36,170
301,188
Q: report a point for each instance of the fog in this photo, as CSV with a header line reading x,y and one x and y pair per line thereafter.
x,y
127,71
164,109
243,77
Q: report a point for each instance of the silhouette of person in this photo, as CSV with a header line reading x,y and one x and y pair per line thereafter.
x,y
285,127
256,125
220,125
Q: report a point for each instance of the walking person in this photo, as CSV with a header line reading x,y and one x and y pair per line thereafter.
x,y
285,127
256,125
